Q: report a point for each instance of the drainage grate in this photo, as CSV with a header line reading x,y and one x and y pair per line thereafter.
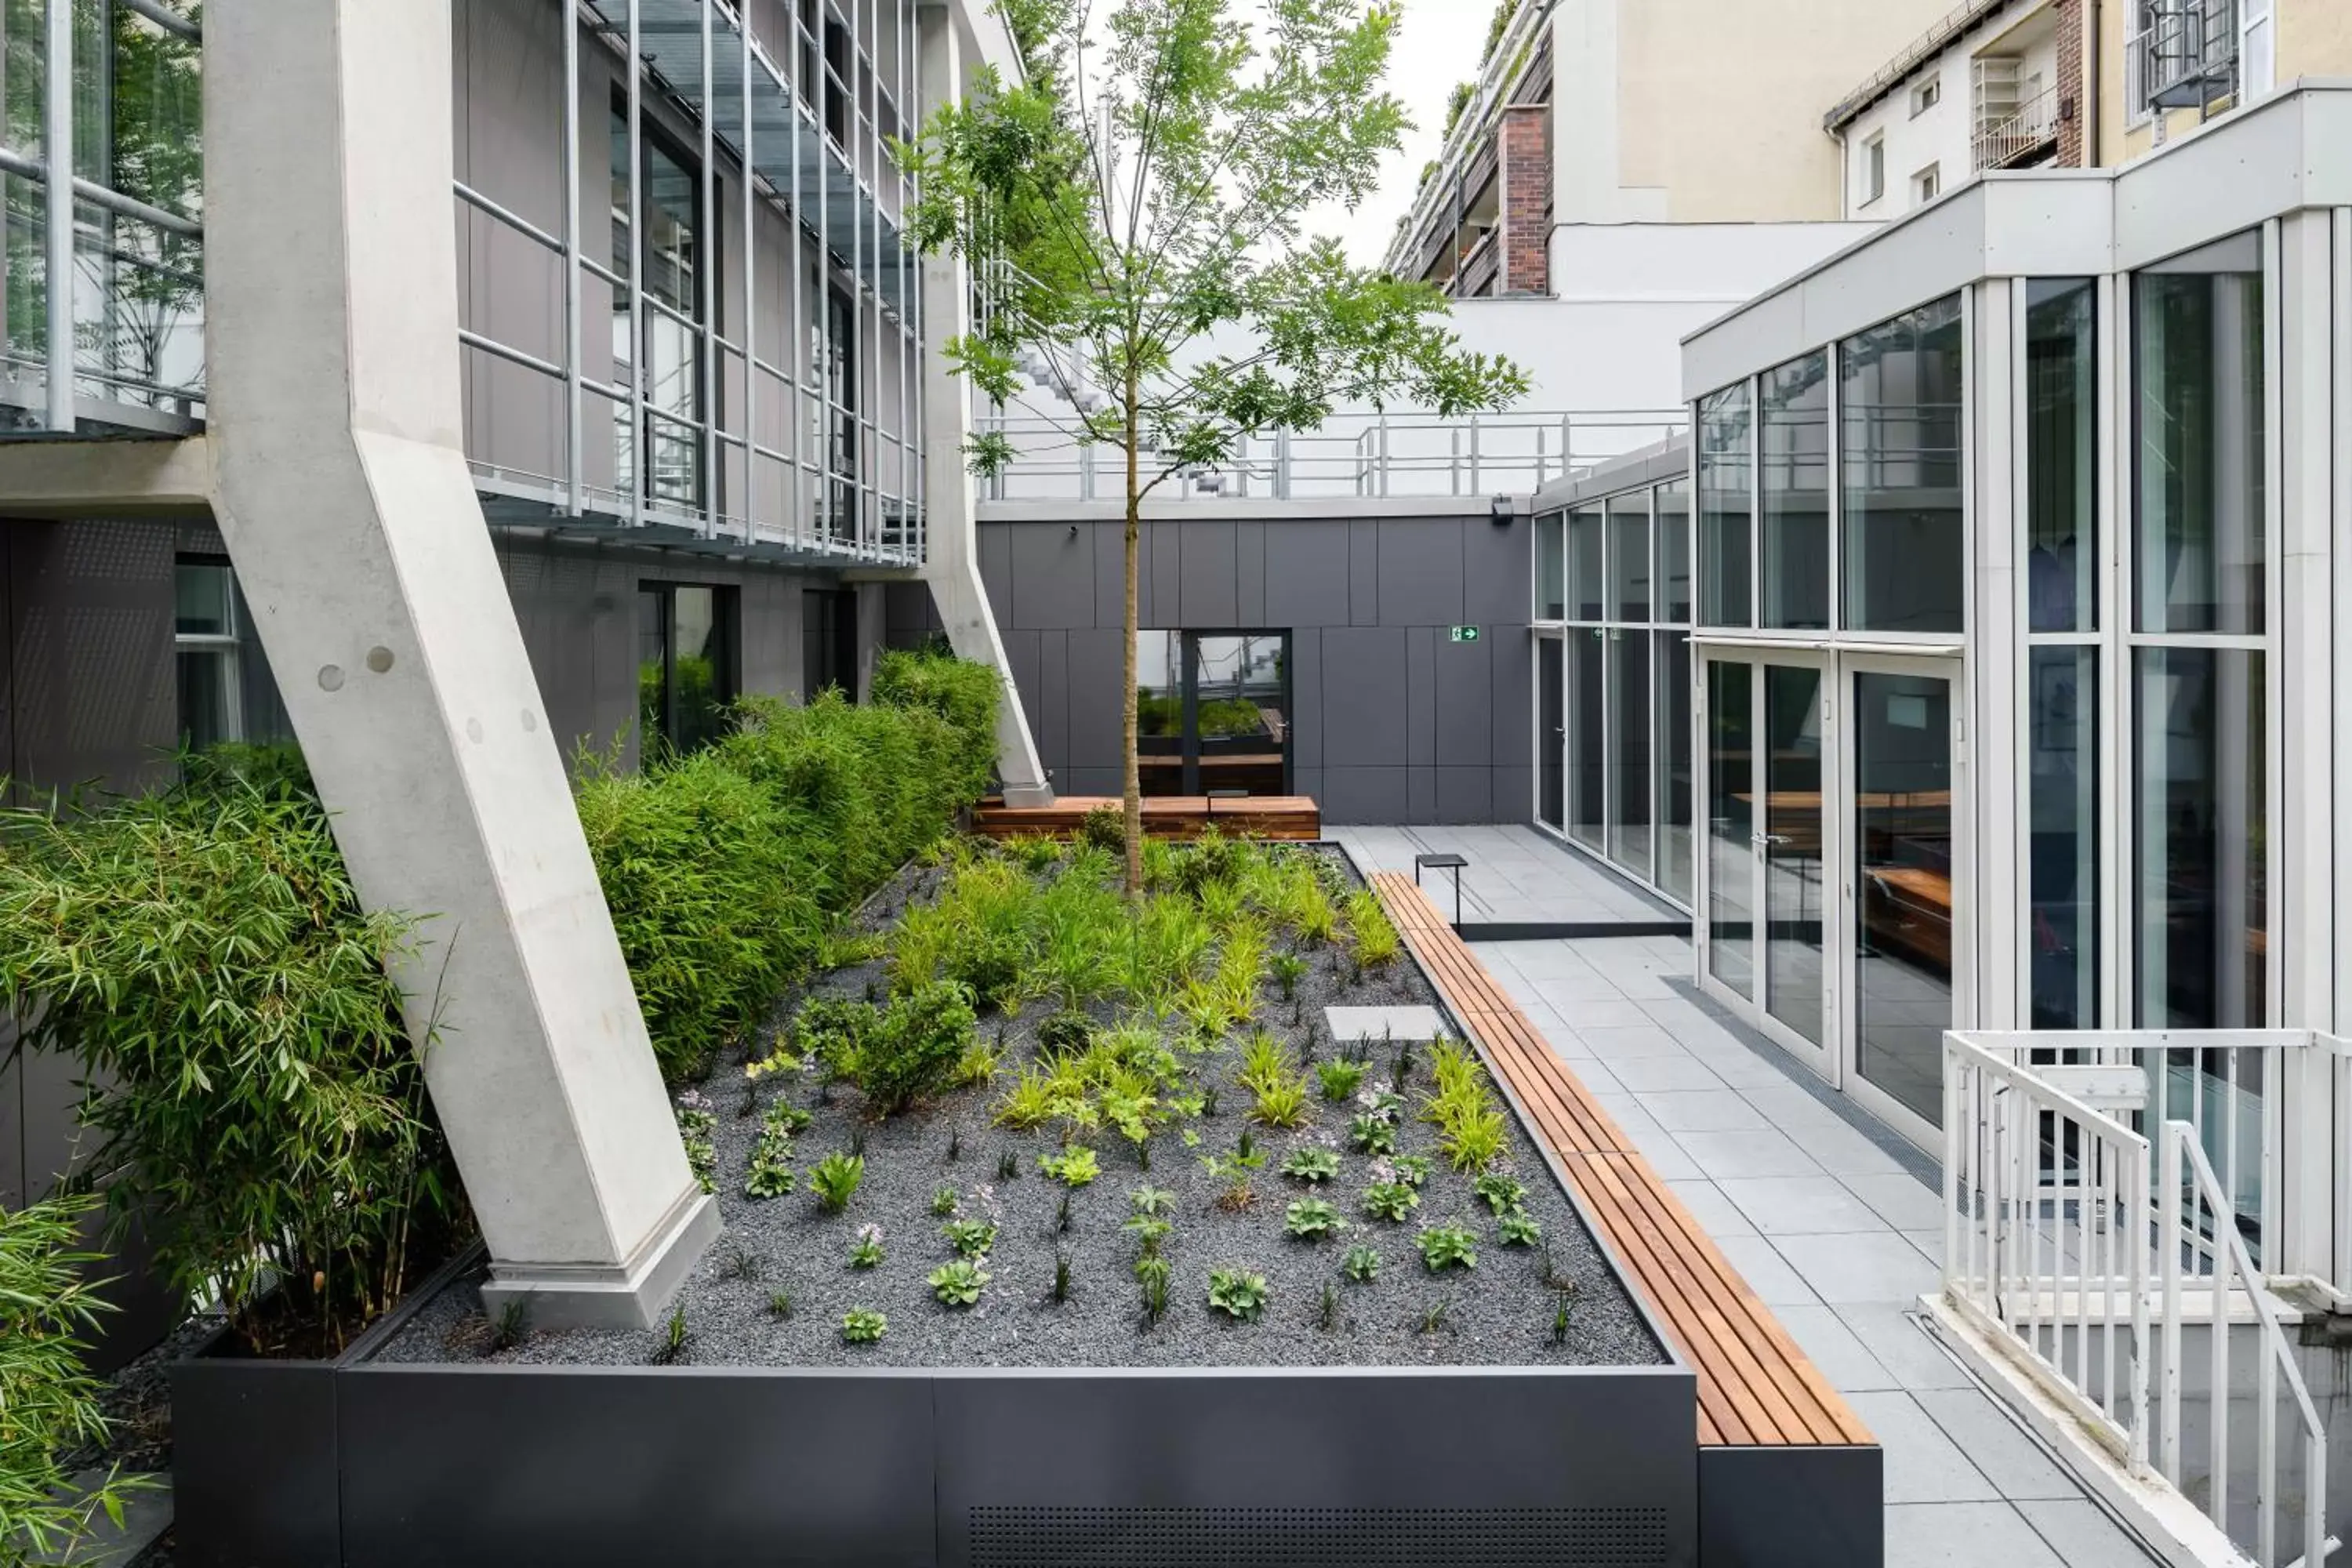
x,y
1317,1537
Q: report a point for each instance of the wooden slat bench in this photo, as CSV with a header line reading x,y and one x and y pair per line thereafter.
x,y
1756,1389
1283,816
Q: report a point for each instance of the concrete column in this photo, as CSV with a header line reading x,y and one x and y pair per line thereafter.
x,y
951,566
341,488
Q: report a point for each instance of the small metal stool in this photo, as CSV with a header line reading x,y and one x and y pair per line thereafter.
x,y
1454,863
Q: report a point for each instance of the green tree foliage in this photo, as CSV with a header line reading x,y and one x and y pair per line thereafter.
x,y
203,955
1137,203
49,1401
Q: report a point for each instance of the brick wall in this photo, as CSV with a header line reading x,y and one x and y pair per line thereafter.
x,y
2078,97
1526,199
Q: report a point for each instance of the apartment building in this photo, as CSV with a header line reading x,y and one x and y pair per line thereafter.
x,y
600,400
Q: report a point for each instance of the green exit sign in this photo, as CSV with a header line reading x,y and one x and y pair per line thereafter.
x,y
1466,633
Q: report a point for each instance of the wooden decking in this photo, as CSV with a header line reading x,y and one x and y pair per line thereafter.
x,y
1285,816
1756,1389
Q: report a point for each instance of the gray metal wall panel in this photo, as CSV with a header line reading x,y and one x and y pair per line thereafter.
x,y
1364,794
1098,671
1421,793
1049,718
1511,651
1421,698
1420,571
1207,591
1020,662
1053,578
1162,565
1364,684
96,692
1364,573
1110,572
996,573
1464,673
1466,795
1249,573
1307,694
1307,574
1498,573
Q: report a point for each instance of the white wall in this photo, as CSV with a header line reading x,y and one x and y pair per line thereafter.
x,y
1943,135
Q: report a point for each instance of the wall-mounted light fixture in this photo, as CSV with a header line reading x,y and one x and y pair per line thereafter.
x,y
1503,512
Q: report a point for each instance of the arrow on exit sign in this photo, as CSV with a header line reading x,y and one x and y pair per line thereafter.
x,y
1466,633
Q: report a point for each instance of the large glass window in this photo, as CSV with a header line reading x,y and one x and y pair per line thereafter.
x,y
2062,455
1588,755
1726,477
2063,827
1629,556
1731,822
2200,416
1899,403
2201,935
1794,441
1550,568
1673,575
1676,788
1902,730
1214,712
667,362
1588,586
1629,718
224,687
685,665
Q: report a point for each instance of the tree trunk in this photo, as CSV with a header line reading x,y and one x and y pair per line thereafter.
x,y
1133,782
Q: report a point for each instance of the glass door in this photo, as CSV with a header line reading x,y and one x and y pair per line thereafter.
x,y
1551,733
1212,712
1900,947
1789,846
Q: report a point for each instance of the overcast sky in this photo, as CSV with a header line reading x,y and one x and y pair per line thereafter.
x,y
1436,47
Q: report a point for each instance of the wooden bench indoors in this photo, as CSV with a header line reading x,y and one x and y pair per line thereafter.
x,y
1772,1432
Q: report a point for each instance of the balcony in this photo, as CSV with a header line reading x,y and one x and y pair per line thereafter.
x,y
1481,268
2024,137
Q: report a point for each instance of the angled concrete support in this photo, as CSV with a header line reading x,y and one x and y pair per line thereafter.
x,y
952,564
341,488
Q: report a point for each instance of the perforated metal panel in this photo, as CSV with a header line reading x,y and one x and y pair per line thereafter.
x,y
1317,1538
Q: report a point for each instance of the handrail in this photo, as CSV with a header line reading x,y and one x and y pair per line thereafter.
x,y
2177,1236
2034,122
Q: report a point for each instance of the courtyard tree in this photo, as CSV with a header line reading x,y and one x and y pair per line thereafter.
x,y
1134,213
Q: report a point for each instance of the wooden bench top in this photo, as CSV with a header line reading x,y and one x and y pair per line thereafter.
x,y
1756,1389
1294,817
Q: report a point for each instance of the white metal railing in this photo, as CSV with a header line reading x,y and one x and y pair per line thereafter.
x,y
2034,125
2200,1243
2104,1192
1355,454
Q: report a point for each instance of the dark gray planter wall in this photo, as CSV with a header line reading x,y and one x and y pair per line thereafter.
x,y
1395,722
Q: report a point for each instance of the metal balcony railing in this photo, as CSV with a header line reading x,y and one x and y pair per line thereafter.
x,y
2019,136
2187,56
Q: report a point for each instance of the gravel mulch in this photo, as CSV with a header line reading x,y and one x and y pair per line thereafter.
x,y
1503,1312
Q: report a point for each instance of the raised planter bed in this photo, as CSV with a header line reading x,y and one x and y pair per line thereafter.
x,y
1420,1418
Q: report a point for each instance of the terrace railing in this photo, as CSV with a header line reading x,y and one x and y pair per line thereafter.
x,y
2111,1197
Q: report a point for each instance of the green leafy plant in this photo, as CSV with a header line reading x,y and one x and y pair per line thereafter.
x,y
1373,1134
780,1304
863,1326
959,1282
1150,1200
1377,943
1500,1191
1560,1322
1152,1275
976,1068
1150,1231
1008,1166
50,1405
1287,969
1311,1165
1470,1125
866,1252
836,1178
971,1238
1103,827
1072,1167
1061,1278
1517,1228
676,1337
1339,1078
916,1048
1390,1201
1312,1218
1362,1265
1247,150
1237,1293
1444,1247
1412,1170
944,1202
1436,1317
202,958
1233,1173
695,1125
1326,1314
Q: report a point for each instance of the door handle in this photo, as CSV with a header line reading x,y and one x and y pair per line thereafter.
x,y
1769,838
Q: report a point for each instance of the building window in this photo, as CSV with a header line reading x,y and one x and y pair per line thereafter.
x,y
1873,169
1588,589
2060,455
2257,49
1212,712
686,666
1899,400
1928,183
1727,508
226,690
1794,441
2200,574
828,642
665,364
1550,568
1926,96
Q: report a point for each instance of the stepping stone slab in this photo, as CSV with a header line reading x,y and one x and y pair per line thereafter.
x,y
1401,1024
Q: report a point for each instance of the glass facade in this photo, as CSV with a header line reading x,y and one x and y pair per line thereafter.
x,y
226,690
686,666
1899,406
1613,701
136,288
1793,425
1727,508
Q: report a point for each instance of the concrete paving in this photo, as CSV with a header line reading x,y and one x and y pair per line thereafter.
x,y
1836,1222
1517,876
